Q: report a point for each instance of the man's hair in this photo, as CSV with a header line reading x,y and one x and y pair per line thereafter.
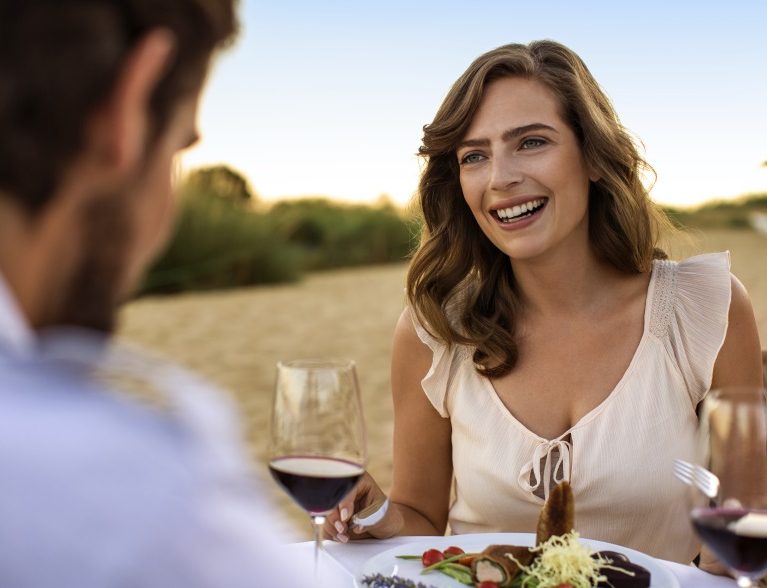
x,y
59,59
461,286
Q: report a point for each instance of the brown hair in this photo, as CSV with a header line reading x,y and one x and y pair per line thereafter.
x,y
59,60
460,286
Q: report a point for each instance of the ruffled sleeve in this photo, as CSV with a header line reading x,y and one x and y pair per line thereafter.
x,y
437,380
691,308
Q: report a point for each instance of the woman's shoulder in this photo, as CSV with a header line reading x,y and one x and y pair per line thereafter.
x,y
414,332
690,291
410,333
420,355
690,313
703,263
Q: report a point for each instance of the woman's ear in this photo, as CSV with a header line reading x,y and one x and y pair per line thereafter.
x,y
121,126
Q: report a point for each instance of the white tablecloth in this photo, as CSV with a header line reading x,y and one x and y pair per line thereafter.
x,y
340,563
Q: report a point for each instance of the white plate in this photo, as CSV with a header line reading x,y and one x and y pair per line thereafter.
x,y
386,563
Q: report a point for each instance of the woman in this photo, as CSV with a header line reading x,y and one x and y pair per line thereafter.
x,y
547,337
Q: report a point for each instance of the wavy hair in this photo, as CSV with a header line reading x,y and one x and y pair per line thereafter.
x,y
460,286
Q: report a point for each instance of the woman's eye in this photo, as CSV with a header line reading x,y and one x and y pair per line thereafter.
x,y
472,158
532,143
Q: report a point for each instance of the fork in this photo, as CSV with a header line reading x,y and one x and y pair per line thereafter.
x,y
691,474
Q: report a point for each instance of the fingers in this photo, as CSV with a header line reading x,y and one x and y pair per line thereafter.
x,y
335,527
337,523
710,563
339,529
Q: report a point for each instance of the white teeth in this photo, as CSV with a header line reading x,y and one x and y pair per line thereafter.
x,y
521,209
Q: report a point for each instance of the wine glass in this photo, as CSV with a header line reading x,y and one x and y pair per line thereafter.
x,y
729,510
318,447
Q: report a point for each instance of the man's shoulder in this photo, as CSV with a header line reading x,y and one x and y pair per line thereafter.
x,y
79,437
93,483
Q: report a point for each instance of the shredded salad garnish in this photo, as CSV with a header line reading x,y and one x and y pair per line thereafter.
x,y
563,559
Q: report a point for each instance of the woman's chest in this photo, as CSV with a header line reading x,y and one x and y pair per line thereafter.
x,y
624,449
565,372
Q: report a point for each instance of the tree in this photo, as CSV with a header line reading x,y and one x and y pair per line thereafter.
x,y
222,181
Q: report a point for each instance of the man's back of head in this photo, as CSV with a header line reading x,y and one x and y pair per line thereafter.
x,y
89,89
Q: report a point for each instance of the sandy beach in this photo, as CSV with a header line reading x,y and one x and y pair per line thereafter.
x,y
235,337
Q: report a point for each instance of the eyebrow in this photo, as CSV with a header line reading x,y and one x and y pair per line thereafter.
x,y
507,135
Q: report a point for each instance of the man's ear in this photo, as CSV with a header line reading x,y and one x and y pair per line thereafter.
x,y
121,126
594,175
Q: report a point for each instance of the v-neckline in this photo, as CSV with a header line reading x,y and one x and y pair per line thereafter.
x,y
490,388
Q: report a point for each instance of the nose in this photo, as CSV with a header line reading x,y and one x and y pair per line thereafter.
x,y
505,173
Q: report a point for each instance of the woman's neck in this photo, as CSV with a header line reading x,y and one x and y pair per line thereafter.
x,y
569,282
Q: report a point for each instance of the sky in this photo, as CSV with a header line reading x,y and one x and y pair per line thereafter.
x,y
329,98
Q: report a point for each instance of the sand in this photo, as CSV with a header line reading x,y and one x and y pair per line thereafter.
x,y
235,337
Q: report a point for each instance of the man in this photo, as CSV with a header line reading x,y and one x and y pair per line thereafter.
x,y
96,99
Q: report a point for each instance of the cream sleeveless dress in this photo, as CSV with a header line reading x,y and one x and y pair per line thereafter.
x,y
618,458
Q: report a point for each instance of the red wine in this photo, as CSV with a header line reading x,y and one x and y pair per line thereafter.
x,y
737,536
318,484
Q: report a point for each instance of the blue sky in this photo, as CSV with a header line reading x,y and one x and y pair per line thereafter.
x,y
329,98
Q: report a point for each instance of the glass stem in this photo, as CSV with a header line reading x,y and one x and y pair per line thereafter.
x,y
317,522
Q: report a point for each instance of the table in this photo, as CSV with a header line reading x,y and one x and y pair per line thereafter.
x,y
340,563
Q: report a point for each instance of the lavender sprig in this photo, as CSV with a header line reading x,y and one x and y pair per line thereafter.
x,y
381,581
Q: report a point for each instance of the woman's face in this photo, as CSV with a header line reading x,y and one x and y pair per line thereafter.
x,y
522,171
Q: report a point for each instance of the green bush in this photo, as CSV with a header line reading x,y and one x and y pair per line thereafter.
x,y
719,214
223,240
331,234
219,245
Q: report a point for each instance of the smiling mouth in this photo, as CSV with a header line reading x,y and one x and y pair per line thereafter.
x,y
515,213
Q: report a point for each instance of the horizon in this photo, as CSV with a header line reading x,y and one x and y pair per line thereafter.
x,y
738,199
330,99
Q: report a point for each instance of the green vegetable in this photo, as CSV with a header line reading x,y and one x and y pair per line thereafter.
x,y
458,572
447,560
448,566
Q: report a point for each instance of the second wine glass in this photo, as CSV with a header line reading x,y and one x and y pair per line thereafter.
x,y
318,446
729,509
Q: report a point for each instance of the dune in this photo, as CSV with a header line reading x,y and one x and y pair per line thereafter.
x,y
235,337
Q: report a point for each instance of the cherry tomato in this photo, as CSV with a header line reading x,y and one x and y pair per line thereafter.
x,y
564,585
488,584
452,551
431,556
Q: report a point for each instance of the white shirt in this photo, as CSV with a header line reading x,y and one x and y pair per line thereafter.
x,y
97,490
15,334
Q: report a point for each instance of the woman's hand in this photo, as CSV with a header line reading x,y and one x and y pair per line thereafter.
x,y
423,469
338,525
709,563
